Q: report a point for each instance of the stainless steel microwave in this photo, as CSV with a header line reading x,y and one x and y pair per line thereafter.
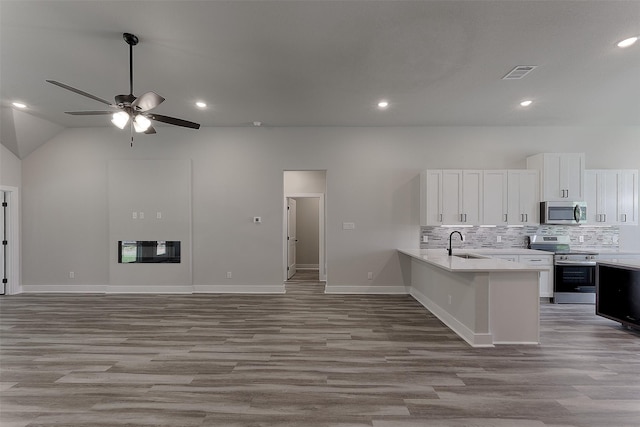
x,y
563,213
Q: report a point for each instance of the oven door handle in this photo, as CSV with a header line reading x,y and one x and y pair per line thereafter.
x,y
576,263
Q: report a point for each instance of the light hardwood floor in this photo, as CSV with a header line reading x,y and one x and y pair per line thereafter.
x,y
301,359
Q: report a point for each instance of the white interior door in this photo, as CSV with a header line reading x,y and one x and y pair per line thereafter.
x,y
291,237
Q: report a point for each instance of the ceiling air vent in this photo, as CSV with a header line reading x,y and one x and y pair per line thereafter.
x,y
519,72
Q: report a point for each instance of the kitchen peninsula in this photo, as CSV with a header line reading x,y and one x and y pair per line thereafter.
x,y
486,301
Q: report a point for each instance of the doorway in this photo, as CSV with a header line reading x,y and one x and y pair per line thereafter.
x,y
304,227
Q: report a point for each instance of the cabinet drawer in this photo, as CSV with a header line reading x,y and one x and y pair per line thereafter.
x,y
513,258
536,260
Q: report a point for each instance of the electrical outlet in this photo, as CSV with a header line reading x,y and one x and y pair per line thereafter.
x,y
425,239
134,215
158,215
370,275
228,275
498,239
72,275
141,215
581,239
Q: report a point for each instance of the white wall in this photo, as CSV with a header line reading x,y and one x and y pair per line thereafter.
x,y
372,180
10,168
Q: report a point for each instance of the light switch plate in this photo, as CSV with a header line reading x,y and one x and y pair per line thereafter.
x,y
348,225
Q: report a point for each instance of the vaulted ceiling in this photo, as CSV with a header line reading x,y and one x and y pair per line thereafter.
x,y
321,63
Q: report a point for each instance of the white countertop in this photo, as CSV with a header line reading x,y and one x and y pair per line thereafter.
x,y
439,258
633,263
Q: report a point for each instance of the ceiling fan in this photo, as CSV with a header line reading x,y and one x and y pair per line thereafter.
x,y
129,108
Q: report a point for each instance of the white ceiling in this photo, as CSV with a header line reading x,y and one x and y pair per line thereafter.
x,y
327,63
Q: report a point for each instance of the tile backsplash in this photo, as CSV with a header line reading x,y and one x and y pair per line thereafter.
x,y
516,237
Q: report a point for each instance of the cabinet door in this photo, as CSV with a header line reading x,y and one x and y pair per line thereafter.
x,y
494,197
431,197
530,196
608,200
553,180
562,175
523,199
601,195
572,175
471,197
451,196
628,197
591,196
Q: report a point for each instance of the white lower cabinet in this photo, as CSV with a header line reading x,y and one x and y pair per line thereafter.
x,y
546,276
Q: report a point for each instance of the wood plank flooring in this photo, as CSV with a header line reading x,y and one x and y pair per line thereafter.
x,y
301,359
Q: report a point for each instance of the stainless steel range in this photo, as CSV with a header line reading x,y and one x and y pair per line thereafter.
x,y
574,271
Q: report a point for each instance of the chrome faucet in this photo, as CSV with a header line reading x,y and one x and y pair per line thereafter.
x,y
450,236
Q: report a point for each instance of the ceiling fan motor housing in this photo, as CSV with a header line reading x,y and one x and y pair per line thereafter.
x,y
124,100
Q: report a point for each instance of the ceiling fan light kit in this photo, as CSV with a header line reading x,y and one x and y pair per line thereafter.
x,y
133,110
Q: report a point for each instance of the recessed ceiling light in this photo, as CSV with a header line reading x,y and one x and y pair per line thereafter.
x,y
526,103
627,42
383,104
19,104
201,104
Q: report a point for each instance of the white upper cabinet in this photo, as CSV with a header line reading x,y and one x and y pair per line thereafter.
x,y
450,197
612,197
561,175
628,197
523,197
431,197
601,191
510,197
495,197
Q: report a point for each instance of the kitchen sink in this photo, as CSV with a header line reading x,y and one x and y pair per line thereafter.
x,y
470,256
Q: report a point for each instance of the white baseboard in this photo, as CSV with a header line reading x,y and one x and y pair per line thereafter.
x,y
64,289
177,289
371,290
137,289
239,289
307,267
474,340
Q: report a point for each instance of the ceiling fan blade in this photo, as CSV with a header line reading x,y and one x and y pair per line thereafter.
x,y
78,91
88,113
150,130
172,121
147,101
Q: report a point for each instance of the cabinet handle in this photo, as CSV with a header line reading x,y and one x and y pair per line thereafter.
x,y
465,217
624,217
604,217
526,217
440,217
567,194
505,218
522,217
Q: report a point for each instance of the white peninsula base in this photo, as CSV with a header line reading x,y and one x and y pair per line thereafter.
x,y
484,301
